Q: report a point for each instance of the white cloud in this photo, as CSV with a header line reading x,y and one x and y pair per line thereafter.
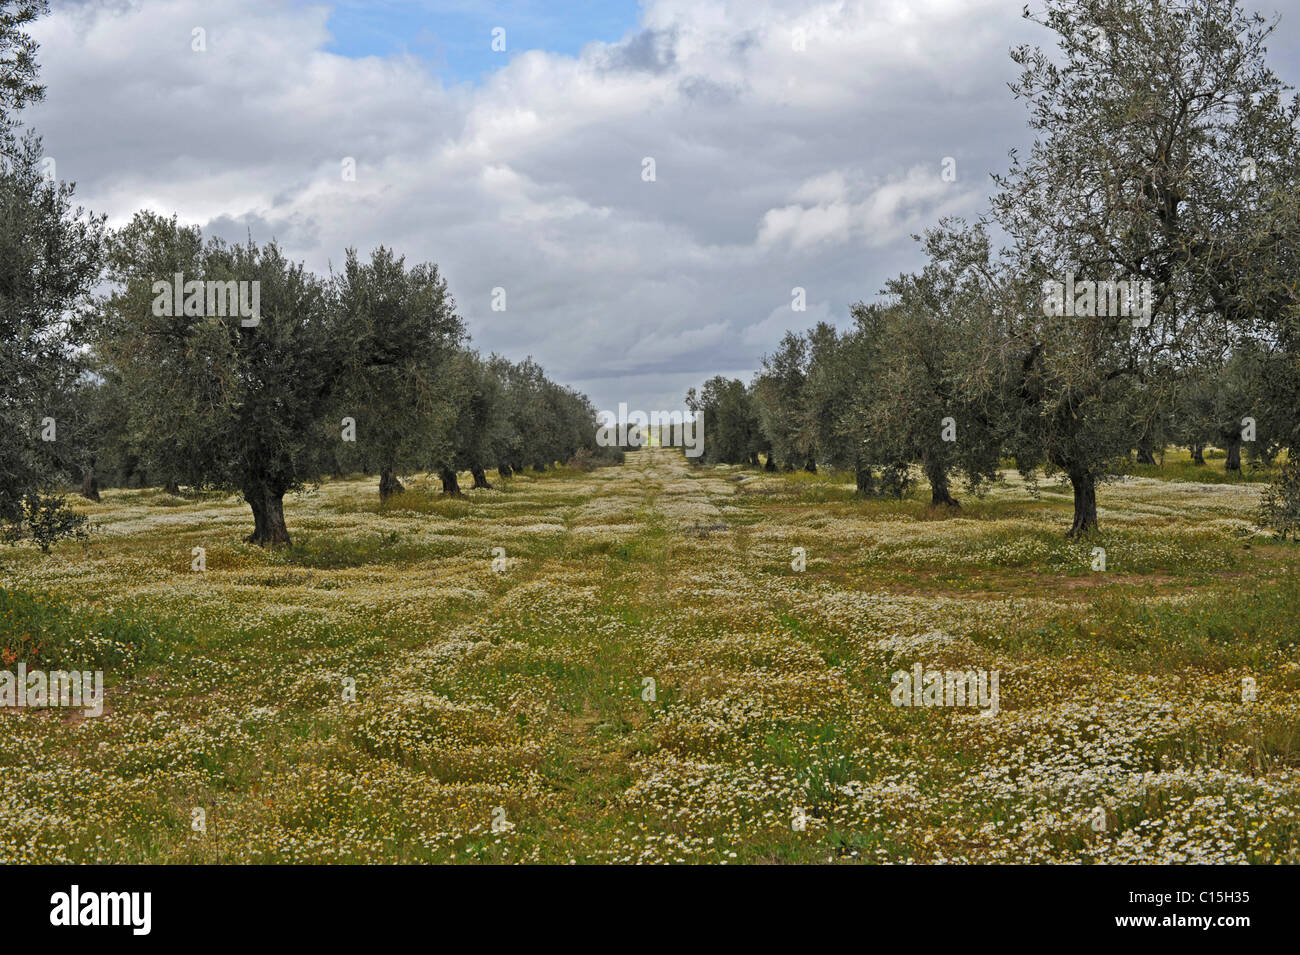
x,y
886,214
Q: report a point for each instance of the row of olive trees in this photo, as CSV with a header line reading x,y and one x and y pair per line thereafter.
x,y
368,368
1166,155
292,377
364,369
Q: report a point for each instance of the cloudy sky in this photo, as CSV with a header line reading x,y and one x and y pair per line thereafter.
x,y
522,169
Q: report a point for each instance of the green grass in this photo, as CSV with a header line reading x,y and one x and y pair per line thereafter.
x,y
45,632
1177,466
477,691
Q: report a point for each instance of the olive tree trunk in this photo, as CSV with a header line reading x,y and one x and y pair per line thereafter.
x,y
268,515
1234,454
389,485
1085,502
865,480
90,486
937,474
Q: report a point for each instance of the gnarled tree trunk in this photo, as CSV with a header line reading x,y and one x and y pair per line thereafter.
x,y
1234,454
268,515
389,485
90,486
450,485
771,462
937,474
810,466
1198,454
480,478
866,481
1085,502
504,470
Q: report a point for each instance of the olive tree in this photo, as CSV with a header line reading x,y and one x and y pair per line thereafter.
x,y
236,399
1156,123
402,384
938,399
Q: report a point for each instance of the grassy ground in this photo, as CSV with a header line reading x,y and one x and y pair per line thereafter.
x,y
519,695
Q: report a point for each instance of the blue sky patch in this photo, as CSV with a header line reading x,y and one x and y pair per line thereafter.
x,y
455,36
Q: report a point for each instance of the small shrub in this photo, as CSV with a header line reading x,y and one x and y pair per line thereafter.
x,y
1279,507
46,518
